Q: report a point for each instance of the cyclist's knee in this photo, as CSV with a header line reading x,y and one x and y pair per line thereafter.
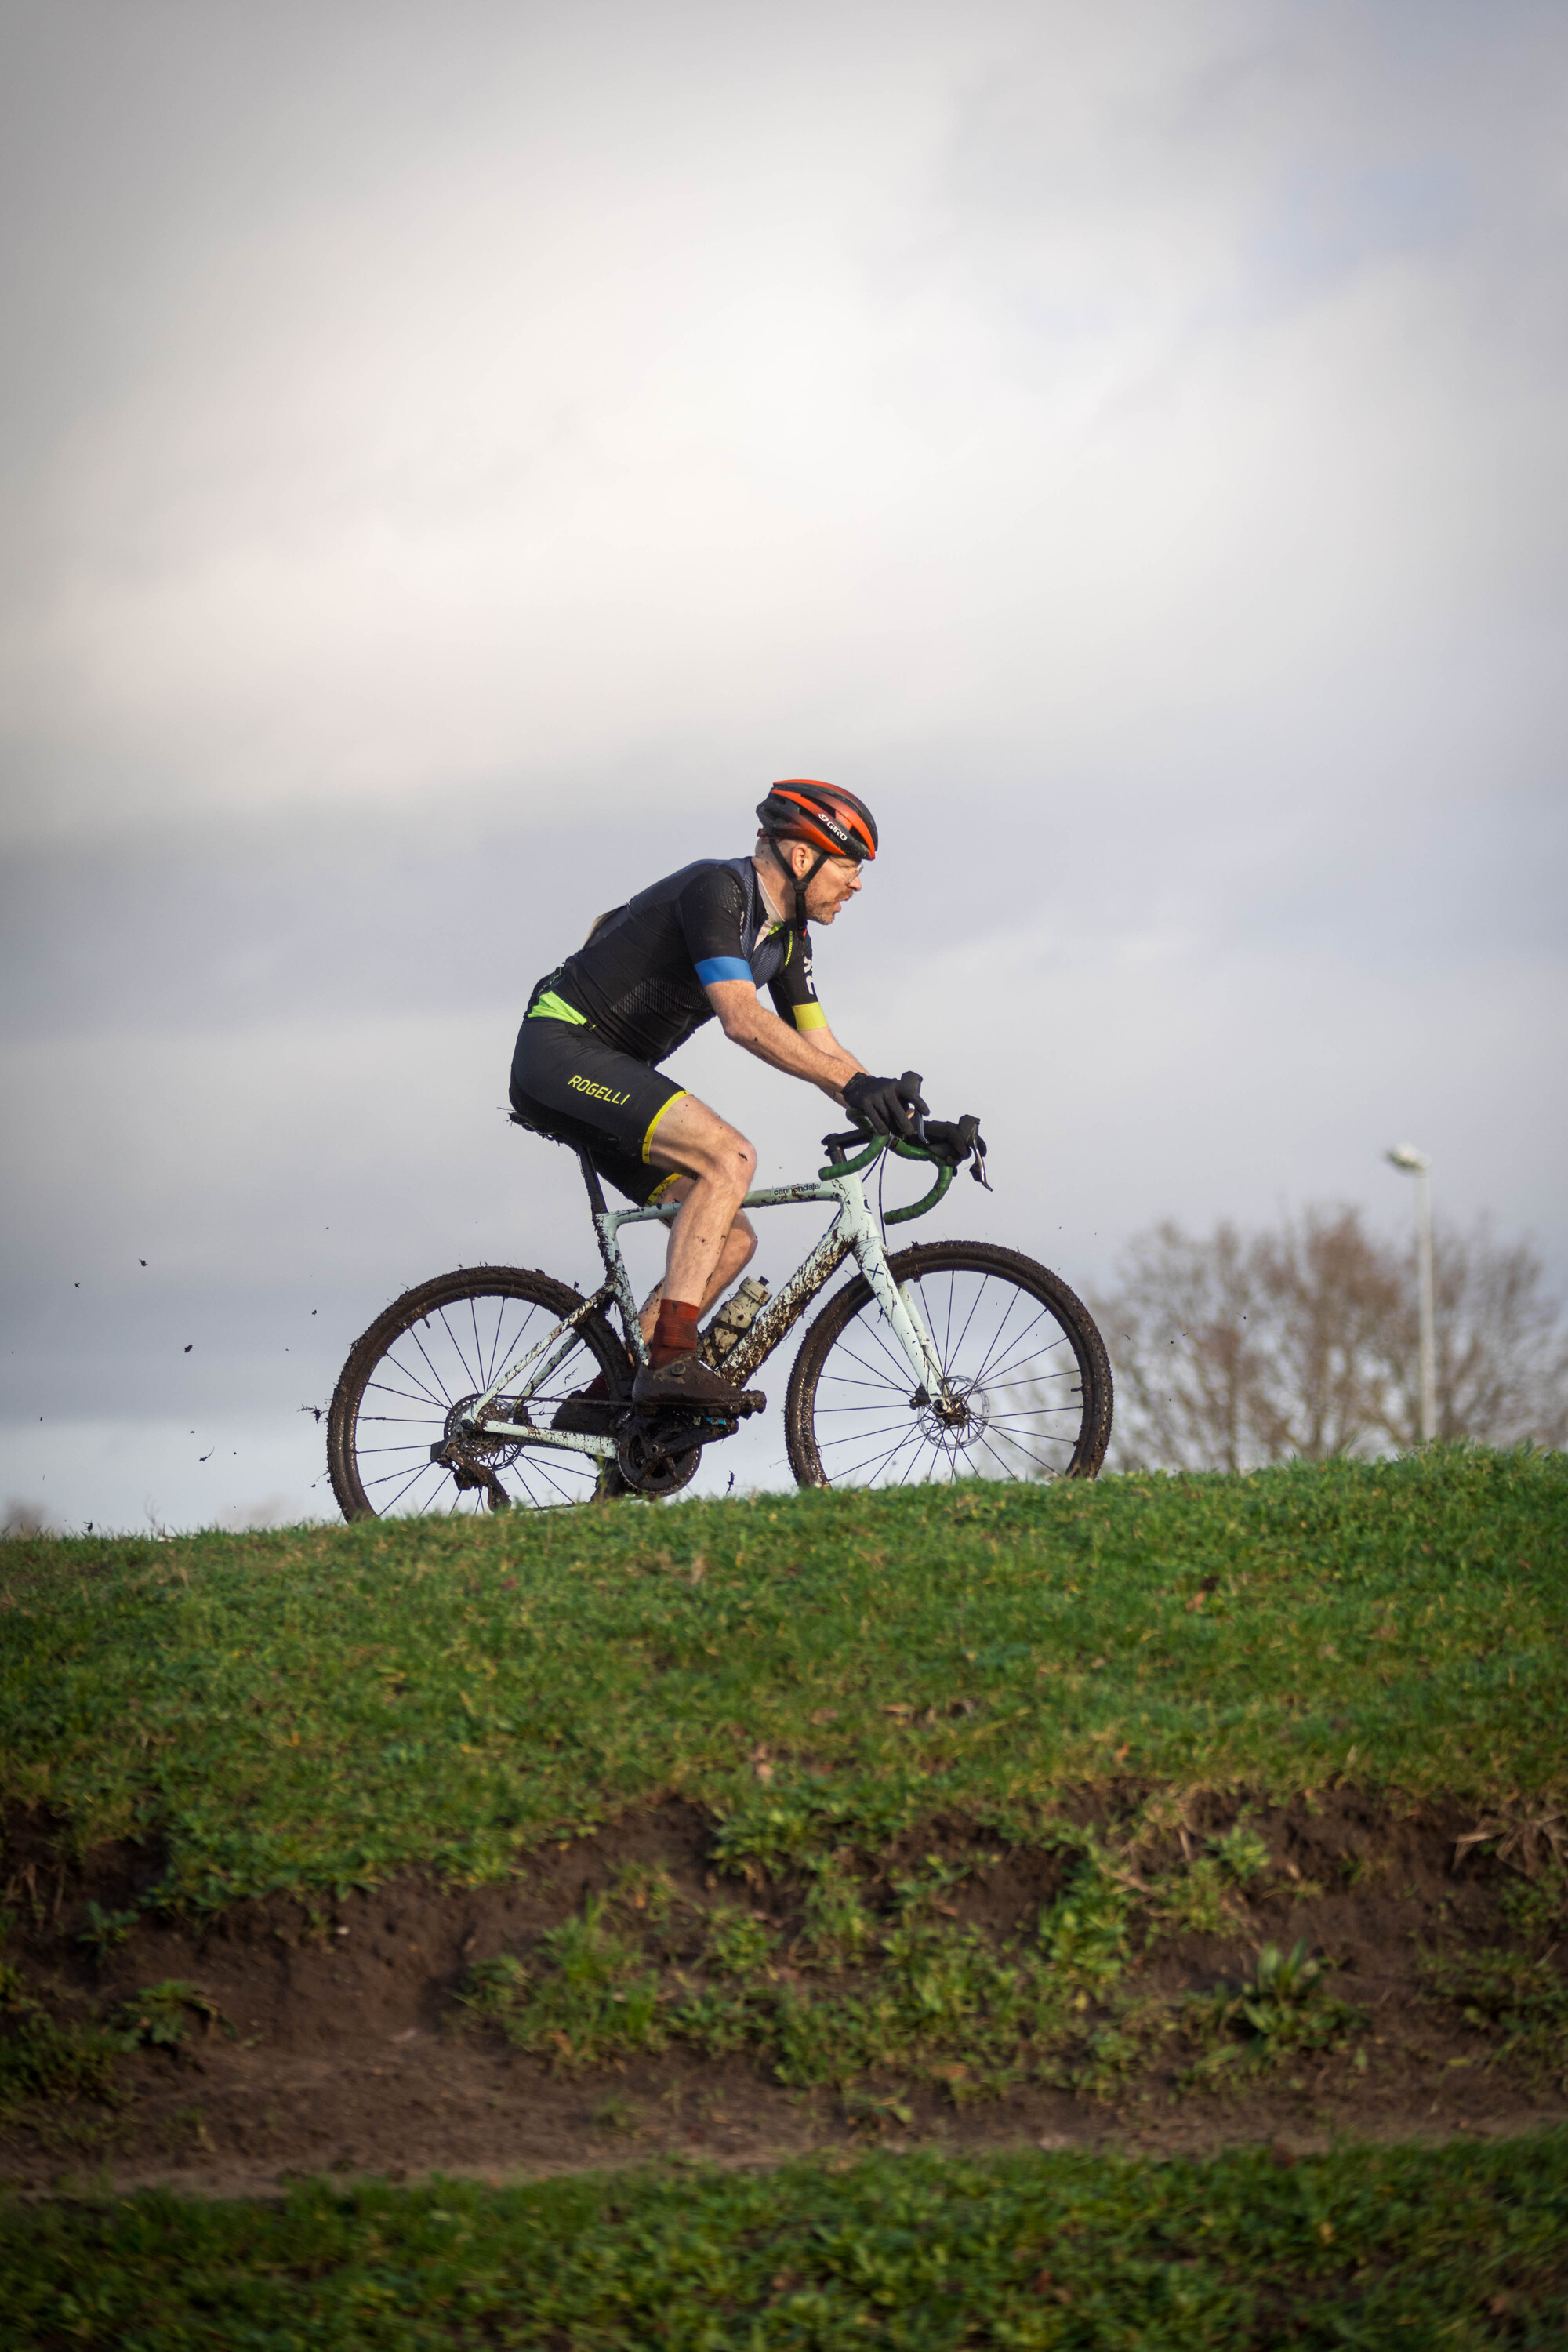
x,y
736,1158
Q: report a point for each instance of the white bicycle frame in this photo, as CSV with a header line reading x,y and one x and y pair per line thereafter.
x,y
853,1233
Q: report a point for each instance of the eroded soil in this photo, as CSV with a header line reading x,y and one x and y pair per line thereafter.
x,y
343,2046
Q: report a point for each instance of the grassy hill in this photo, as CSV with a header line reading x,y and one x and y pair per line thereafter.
x,y
1164,1813
319,1708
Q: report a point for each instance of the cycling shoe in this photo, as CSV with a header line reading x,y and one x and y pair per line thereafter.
x,y
584,1414
687,1381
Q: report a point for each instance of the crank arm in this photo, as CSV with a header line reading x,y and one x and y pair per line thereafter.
x,y
747,1402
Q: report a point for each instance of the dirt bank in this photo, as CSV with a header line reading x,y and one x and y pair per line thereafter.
x,y
334,2045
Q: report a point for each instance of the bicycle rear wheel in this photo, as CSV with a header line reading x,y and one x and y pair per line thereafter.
x,y
434,1350
1029,1381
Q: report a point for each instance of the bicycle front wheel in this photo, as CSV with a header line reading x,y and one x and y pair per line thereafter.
x,y
436,1349
1027,1393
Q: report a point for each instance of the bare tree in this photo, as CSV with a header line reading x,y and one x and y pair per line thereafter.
x,y
1181,1336
1501,1353
1232,1349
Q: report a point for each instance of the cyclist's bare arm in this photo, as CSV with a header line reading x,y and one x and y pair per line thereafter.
x,y
817,1058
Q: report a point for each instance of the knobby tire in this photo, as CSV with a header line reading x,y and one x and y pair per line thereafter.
x,y
444,1339
1036,1374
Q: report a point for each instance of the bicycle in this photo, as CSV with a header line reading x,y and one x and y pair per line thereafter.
x,y
449,1397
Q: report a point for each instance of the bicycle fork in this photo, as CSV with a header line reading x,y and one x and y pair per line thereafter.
x,y
900,1306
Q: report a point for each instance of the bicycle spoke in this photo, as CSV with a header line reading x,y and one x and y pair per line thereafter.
x,y
871,1326
858,1436
874,1378
998,1373
1021,1449
992,1418
539,1471
412,1480
996,1337
952,1358
427,1395
366,1452
855,1468
434,1375
823,1409
913,1459
947,1348
471,1376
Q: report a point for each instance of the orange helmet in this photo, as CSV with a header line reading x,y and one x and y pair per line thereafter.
x,y
832,820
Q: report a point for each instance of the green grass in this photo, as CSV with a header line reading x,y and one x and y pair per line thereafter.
x,y
1374,2247
321,1707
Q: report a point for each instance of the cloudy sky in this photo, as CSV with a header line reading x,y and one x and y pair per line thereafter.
x,y
454,457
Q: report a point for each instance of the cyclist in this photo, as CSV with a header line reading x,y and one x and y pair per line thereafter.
x,y
695,947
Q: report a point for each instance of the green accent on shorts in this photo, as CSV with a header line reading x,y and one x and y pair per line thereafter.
x,y
550,1007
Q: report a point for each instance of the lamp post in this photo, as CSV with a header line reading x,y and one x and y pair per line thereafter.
x,y
1416,1163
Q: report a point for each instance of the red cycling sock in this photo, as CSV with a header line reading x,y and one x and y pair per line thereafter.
x,y
675,1333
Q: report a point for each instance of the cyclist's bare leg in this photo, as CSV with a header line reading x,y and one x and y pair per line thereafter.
x,y
737,1254
711,1240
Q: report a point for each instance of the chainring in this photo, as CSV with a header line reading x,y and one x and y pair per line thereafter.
x,y
650,1468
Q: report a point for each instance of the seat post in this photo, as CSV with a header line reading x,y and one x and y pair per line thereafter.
x,y
591,1178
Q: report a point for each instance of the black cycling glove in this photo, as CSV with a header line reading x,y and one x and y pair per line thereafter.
x,y
957,1141
887,1106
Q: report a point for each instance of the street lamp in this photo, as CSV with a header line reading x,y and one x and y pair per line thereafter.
x,y
1416,1163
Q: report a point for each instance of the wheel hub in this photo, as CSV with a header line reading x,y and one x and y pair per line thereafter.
x,y
958,1413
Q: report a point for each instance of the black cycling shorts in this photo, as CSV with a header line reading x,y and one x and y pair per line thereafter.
x,y
568,1084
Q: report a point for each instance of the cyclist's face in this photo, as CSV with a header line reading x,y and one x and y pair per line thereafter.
x,y
832,888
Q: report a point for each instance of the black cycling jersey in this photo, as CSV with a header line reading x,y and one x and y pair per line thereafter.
x,y
641,975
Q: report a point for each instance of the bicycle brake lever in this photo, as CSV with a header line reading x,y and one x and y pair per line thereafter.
x,y
969,1128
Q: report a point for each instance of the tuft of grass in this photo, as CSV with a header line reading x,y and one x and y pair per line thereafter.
x,y
593,2000
159,2016
1283,2009
738,1945
42,2059
316,1708
840,1929
1241,1854
105,1930
1517,2001
1386,2245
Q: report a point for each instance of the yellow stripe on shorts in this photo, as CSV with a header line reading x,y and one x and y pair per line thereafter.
x,y
658,1114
